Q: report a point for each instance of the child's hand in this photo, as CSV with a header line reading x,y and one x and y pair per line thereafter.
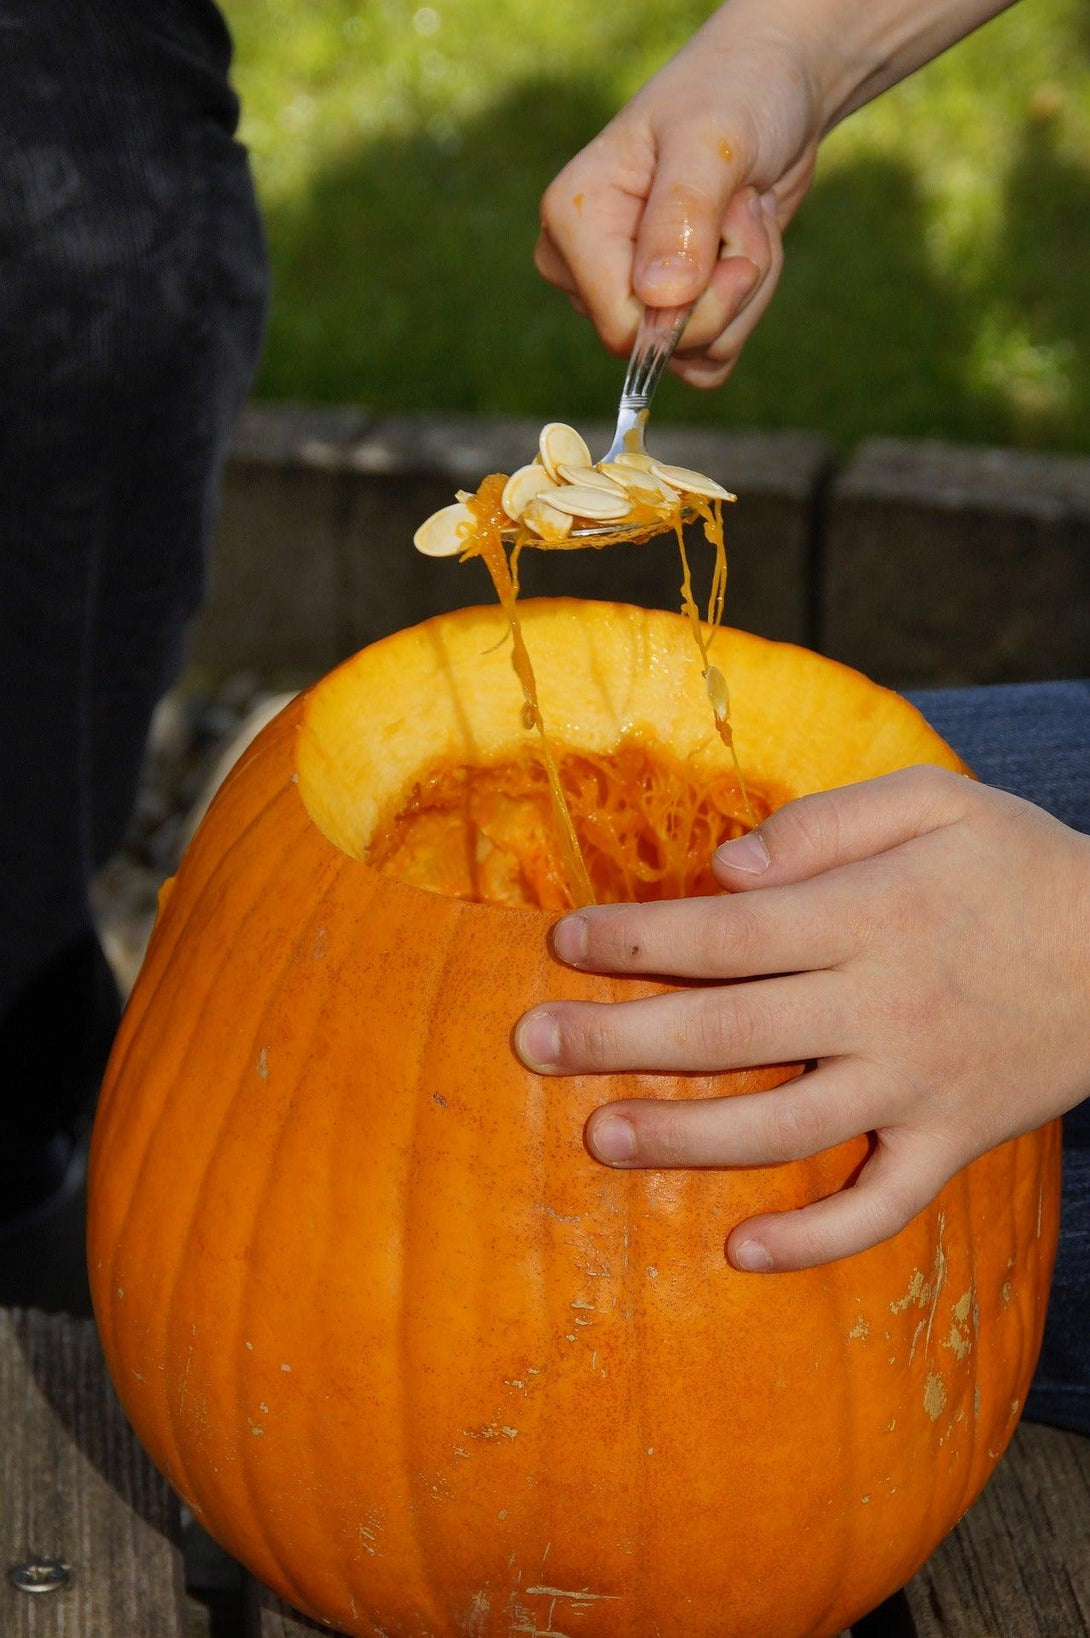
x,y
923,939
685,193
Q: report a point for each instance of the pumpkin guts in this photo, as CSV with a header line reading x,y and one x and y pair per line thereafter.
x,y
625,501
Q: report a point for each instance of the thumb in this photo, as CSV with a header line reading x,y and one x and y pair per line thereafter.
x,y
678,242
818,833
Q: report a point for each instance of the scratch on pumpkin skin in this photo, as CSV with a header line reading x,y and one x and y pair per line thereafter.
x,y
478,1614
934,1396
959,1339
860,1331
185,1377
550,1211
917,1288
263,1063
938,1279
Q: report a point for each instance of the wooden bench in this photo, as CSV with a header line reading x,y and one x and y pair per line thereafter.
x,y
84,1513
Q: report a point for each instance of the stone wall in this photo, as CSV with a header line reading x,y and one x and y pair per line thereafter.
x,y
918,562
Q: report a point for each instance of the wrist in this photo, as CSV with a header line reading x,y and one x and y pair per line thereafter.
x,y
847,52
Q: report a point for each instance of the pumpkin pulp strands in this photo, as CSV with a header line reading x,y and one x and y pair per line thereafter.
x,y
486,542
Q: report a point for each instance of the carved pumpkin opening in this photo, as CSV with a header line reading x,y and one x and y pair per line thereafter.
x,y
647,828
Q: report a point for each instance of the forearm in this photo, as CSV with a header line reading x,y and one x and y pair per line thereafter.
x,y
852,50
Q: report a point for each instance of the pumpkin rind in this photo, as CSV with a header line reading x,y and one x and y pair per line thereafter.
x,y
407,1352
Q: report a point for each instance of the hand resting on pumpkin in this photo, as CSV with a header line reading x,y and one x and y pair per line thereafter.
x,y
921,940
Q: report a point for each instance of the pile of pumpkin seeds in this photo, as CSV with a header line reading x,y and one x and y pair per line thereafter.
x,y
564,494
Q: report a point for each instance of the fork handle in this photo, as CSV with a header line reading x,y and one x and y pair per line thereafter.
x,y
659,333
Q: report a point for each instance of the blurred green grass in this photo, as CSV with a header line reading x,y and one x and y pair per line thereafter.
x,y
936,279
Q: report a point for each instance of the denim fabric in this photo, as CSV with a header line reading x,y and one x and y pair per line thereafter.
x,y
1034,739
132,299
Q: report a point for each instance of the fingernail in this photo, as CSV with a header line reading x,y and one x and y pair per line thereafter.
x,y
537,1041
746,853
751,1257
613,1140
755,204
768,203
664,273
570,939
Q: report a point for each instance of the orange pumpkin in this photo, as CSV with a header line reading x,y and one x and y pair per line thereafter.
x,y
402,1346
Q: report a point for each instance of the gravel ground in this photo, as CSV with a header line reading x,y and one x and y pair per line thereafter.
x,y
195,740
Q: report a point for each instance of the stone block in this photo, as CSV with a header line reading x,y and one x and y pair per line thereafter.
x,y
275,598
947,565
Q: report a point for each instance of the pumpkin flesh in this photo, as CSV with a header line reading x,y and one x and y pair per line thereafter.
x,y
408,1352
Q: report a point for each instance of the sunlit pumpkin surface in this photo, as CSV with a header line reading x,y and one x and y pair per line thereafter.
x,y
404,1348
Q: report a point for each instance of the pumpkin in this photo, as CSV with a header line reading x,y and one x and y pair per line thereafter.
x,y
400,1344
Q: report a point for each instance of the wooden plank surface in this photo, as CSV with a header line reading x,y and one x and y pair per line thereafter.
x,y
76,1486
267,1617
1018,1564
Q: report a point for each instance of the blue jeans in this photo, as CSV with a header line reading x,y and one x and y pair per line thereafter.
x,y
1034,739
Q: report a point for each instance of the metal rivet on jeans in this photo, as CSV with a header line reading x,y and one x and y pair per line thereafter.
x,y
40,1575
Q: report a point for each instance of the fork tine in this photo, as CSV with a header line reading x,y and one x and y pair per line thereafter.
x,y
659,333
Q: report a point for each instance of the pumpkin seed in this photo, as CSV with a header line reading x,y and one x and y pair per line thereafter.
x,y
635,457
589,477
582,502
644,486
544,519
691,483
559,443
446,532
521,488
718,693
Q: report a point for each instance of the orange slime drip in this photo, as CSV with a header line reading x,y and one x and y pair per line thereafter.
x,y
486,541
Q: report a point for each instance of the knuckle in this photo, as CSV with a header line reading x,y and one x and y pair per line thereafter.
x,y
619,940
794,1128
556,204
812,825
714,941
936,789
729,1028
890,1207
714,1034
592,1039
663,1135
743,933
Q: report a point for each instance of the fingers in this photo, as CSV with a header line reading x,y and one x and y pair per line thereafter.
x,y
777,1020
737,274
819,833
590,217
816,924
829,1105
658,218
902,1176
681,227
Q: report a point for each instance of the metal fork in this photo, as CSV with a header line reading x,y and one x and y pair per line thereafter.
x,y
658,335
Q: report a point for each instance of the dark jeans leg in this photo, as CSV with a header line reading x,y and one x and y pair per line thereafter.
x,y
1034,740
132,295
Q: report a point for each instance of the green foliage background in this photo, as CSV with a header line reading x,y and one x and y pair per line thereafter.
x,y
936,279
